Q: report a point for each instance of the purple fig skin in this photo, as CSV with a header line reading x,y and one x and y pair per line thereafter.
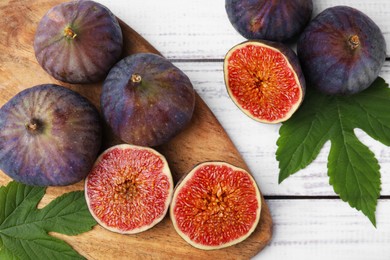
x,y
146,100
276,20
49,136
341,51
78,42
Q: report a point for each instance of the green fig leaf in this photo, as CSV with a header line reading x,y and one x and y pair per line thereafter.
x,y
24,228
353,170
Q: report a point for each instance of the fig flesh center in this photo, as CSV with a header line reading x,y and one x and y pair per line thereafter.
x,y
126,188
215,202
354,42
69,33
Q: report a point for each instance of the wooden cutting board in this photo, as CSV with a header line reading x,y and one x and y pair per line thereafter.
x,y
203,140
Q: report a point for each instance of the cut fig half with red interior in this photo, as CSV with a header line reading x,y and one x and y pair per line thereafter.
x,y
264,79
216,205
129,188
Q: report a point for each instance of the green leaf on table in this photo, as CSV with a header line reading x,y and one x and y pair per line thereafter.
x,y
352,168
24,228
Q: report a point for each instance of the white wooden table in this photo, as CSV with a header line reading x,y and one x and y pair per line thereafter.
x,y
310,221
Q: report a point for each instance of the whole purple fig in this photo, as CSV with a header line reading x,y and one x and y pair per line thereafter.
x,y
146,100
341,51
273,20
78,41
49,136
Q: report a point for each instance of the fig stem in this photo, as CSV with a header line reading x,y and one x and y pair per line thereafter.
x,y
34,126
69,33
354,42
136,78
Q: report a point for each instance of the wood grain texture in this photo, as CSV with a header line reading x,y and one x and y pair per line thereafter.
x,y
201,29
203,140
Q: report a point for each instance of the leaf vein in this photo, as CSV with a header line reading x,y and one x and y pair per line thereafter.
x,y
17,207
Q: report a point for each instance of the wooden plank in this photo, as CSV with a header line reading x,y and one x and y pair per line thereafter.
x,y
203,140
327,229
257,142
200,29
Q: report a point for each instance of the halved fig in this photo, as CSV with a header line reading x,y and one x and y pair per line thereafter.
x,y
129,188
264,79
215,206
78,41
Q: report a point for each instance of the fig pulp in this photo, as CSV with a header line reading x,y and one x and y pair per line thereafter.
x,y
215,206
147,100
264,79
78,41
276,20
129,189
341,51
49,136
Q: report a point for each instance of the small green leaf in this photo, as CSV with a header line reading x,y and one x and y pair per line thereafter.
x,y
352,168
24,228
302,136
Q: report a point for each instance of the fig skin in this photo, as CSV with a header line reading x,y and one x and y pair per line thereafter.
x,y
146,100
78,42
276,20
341,51
49,136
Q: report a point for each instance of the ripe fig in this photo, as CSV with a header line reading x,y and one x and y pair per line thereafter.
x,y
147,100
341,51
264,79
78,41
276,20
215,206
49,136
129,189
